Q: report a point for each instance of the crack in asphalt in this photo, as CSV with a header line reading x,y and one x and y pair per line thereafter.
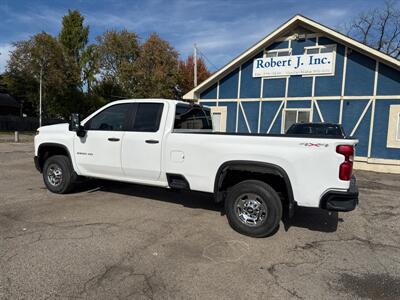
x,y
113,272
272,270
314,244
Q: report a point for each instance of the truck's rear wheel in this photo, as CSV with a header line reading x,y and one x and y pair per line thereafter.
x,y
58,174
253,208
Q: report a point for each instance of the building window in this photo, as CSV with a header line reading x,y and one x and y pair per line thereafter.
x,y
296,116
278,52
320,49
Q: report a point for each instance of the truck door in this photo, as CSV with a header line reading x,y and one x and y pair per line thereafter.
x,y
98,153
142,144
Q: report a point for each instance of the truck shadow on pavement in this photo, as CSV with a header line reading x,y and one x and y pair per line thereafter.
x,y
189,199
313,219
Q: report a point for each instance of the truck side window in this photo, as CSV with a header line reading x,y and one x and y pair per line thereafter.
x,y
112,118
148,117
191,117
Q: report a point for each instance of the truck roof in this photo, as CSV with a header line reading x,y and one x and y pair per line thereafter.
x,y
147,99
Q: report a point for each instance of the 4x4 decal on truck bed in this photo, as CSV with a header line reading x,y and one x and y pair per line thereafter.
x,y
314,145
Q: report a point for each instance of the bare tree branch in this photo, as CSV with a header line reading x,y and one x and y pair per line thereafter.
x,y
395,36
363,25
379,28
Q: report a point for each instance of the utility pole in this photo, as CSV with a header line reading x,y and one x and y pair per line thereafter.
x,y
195,64
40,95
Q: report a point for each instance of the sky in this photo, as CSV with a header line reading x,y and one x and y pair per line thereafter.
x,y
221,29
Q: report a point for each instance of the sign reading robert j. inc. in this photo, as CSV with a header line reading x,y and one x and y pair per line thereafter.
x,y
308,64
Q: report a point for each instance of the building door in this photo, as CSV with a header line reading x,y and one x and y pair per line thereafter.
x,y
218,115
292,116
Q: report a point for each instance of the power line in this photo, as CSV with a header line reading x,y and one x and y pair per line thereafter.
x,y
206,58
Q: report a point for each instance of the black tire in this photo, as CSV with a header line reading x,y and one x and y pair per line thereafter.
x,y
268,210
66,179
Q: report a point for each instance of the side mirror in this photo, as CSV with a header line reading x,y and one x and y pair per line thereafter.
x,y
74,122
75,125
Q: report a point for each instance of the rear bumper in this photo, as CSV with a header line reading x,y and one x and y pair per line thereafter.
x,y
37,165
341,201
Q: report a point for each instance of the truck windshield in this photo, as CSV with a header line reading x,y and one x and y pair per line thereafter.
x,y
192,118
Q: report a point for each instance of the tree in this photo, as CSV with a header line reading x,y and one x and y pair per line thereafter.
x,y
186,69
157,68
41,53
379,28
90,62
73,35
109,89
118,52
117,66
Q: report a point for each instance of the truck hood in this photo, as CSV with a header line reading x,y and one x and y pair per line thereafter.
x,y
63,127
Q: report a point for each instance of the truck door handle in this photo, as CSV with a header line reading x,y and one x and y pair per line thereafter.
x,y
151,141
113,139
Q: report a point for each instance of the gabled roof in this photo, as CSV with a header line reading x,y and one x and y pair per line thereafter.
x,y
291,24
7,101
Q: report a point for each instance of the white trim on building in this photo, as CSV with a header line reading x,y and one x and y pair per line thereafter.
x,y
276,34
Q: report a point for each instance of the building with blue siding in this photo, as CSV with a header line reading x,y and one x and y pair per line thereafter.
x,y
337,80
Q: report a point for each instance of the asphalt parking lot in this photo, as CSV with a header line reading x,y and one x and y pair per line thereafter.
x,y
112,240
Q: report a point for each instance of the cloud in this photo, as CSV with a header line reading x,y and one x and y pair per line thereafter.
x,y
336,12
4,55
39,15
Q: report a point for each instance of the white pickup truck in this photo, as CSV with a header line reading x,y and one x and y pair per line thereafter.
x,y
171,144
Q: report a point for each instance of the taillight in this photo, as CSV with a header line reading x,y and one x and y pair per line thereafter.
x,y
346,167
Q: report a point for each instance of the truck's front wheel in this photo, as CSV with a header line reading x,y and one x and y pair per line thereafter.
x,y
58,174
253,208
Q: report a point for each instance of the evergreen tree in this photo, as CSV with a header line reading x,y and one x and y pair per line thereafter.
x,y
74,35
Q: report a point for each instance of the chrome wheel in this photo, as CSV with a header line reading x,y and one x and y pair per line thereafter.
x,y
250,209
54,175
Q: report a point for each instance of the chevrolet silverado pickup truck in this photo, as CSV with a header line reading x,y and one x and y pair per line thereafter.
x,y
171,144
